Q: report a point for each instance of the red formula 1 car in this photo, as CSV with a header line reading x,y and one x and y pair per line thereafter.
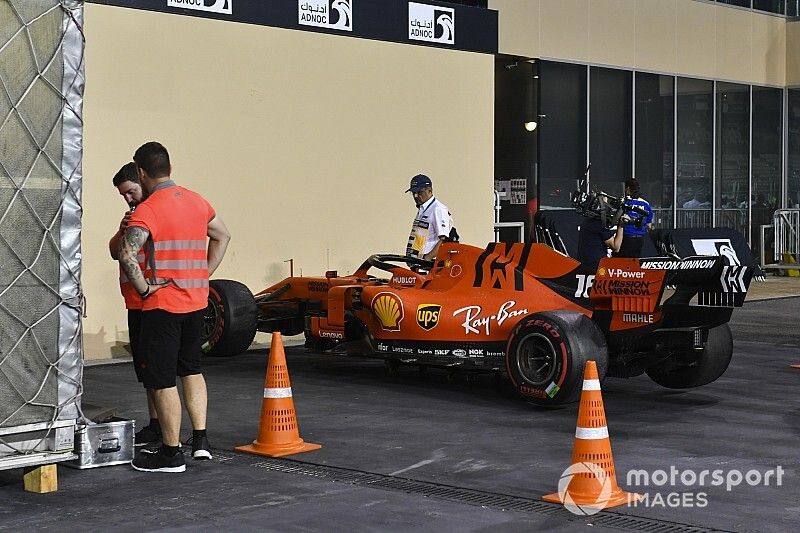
x,y
523,310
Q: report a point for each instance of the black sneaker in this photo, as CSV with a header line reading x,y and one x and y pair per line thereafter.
x,y
201,449
159,462
153,447
147,435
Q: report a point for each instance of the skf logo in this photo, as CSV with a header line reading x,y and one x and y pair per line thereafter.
x,y
389,310
214,6
428,316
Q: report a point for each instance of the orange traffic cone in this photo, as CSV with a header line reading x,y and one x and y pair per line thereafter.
x,y
591,480
277,432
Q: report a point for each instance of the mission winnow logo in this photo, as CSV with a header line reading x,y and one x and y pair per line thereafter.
x,y
214,6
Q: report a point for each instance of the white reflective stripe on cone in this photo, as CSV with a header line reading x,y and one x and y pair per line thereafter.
x,y
591,384
278,393
591,433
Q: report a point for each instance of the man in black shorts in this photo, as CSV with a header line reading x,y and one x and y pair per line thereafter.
x,y
178,221
126,180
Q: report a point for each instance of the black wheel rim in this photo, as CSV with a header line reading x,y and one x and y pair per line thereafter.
x,y
536,359
211,319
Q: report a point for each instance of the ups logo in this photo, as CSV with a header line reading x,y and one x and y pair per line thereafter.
x,y
428,316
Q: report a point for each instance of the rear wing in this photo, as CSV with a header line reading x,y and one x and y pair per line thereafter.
x,y
711,278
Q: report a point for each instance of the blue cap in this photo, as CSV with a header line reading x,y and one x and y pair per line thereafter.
x,y
419,182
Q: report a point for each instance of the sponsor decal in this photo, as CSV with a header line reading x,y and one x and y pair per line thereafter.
x,y
434,24
383,347
388,308
474,322
474,352
720,247
460,353
528,391
441,352
637,318
732,278
495,354
456,271
425,352
331,14
317,286
692,264
404,280
619,273
214,6
400,349
601,272
428,315
585,283
331,335
627,288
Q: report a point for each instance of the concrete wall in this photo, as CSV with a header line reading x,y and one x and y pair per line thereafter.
x,y
793,59
685,37
303,142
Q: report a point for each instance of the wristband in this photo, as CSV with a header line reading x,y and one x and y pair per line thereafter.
x,y
146,293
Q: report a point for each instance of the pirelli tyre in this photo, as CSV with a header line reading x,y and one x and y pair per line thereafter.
x,y
230,318
706,366
547,352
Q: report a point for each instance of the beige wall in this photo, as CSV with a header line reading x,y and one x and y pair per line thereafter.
x,y
793,60
303,142
684,37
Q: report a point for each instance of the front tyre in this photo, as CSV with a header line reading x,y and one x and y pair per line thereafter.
x,y
709,365
230,319
547,352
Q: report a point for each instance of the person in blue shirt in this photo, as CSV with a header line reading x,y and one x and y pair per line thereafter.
x,y
636,229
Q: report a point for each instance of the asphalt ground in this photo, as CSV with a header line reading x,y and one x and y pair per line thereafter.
x,y
423,452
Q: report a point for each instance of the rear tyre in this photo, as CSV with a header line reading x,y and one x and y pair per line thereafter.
x,y
709,365
547,352
230,318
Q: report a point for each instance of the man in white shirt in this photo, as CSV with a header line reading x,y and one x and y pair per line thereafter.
x,y
433,222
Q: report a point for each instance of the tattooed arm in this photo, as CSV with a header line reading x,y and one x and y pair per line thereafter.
x,y
132,241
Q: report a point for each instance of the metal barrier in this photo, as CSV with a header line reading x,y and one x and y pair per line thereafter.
x,y
786,227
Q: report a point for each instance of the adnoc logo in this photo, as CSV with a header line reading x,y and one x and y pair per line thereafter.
x,y
585,470
389,310
433,24
332,14
214,6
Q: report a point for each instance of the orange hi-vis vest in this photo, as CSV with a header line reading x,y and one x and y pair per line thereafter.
x,y
177,220
132,298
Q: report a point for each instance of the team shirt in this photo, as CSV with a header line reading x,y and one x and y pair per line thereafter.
x,y
630,229
433,220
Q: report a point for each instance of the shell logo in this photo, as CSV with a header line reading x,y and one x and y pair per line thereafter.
x,y
389,310
601,271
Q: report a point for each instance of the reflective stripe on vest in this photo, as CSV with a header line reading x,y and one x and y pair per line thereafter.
x,y
181,264
181,245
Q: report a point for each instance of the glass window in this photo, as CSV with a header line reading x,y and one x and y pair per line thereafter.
x,y
562,138
654,143
740,3
695,153
733,156
773,6
514,145
610,128
793,157
766,193
793,8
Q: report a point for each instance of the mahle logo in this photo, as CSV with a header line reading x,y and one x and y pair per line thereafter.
x,y
428,315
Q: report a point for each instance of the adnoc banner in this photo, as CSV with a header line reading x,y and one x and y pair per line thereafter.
x,y
427,23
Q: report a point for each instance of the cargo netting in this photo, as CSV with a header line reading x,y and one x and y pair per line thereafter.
x,y
41,102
